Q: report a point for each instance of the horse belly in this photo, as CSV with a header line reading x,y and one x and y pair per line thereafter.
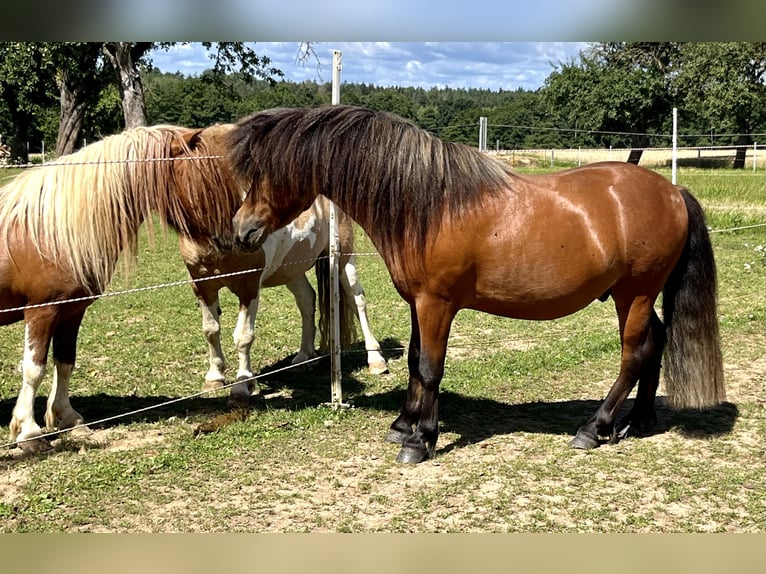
x,y
539,298
27,279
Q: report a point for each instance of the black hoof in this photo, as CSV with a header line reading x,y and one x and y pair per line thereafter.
x,y
584,442
409,455
397,436
635,427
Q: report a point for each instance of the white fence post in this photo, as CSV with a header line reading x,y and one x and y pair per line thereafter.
x,y
674,156
336,391
482,133
755,155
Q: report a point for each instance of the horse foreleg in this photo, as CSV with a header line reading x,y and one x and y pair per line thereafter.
x,y
376,364
239,395
637,348
59,412
401,428
305,299
211,328
434,320
24,430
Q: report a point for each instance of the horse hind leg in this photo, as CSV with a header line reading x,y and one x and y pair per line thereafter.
x,y
376,364
305,300
636,358
642,417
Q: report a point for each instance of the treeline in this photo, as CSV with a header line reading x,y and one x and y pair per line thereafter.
x,y
615,95
452,114
516,119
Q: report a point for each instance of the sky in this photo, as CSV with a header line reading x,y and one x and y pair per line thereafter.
x,y
485,65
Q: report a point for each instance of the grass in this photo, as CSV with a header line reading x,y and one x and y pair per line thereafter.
x,y
513,394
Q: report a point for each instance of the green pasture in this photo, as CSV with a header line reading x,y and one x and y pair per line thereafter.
x,y
512,396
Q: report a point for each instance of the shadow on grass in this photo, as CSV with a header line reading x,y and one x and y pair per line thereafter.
x,y
474,419
477,419
309,387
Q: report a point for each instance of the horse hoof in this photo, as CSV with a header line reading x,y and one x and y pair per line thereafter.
x,y
396,436
409,455
35,445
212,386
583,442
377,368
239,401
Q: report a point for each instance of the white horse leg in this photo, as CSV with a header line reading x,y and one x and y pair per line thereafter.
x,y
239,396
376,364
305,299
59,413
23,426
211,328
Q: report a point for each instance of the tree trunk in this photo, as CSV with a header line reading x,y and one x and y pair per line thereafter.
x,y
73,105
129,82
744,141
639,143
19,141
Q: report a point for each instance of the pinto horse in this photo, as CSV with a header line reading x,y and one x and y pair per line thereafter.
x,y
283,259
457,229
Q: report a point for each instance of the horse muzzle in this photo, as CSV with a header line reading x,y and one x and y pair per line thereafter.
x,y
249,234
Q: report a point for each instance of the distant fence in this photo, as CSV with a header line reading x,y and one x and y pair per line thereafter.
x,y
701,156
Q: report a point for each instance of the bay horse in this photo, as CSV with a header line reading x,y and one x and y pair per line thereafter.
x,y
458,229
283,259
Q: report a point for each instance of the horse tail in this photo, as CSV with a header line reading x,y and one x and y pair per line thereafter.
x,y
346,307
693,361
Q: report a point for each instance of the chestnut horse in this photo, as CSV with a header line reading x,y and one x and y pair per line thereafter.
x,y
283,259
457,229
63,227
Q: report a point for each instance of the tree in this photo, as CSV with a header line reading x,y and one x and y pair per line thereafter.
x,y
618,88
80,78
632,86
124,57
30,74
227,57
725,83
26,81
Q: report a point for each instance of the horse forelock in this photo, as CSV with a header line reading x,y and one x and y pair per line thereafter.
x,y
211,191
395,179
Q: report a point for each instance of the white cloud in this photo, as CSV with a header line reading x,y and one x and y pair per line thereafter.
x,y
488,65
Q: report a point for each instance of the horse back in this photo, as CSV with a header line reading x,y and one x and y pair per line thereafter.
x,y
550,244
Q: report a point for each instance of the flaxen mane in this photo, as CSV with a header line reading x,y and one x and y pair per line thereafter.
x,y
402,176
85,209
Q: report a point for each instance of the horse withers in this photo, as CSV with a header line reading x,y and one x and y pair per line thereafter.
x,y
458,229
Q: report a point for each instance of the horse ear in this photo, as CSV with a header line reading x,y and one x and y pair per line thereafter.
x,y
189,140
